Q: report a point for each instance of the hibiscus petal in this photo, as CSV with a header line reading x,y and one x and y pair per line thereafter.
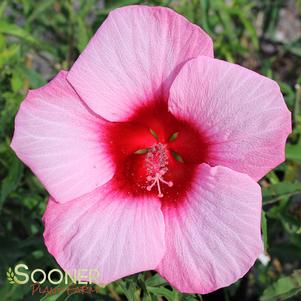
x,y
61,141
241,113
213,237
134,57
108,231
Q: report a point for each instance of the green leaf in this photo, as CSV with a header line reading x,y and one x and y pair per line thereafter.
x,y
26,6
290,223
293,152
164,292
83,34
8,55
16,81
15,30
264,230
40,8
155,280
279,190
129,291
294,47
12,179
284,288
241,14
2,43
3,6
35,79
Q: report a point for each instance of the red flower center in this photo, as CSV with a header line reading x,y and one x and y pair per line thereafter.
x,y
155,153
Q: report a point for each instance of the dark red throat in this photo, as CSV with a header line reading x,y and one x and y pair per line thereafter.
x,y
155,153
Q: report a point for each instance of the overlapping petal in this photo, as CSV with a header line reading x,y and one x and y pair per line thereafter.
x,y
58,137
105,230
134,57
211,236
214,237
241,113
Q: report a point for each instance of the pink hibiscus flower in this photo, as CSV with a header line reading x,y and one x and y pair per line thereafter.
x,y
150,149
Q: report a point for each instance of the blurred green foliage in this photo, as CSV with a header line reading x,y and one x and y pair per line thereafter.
x,y
38,38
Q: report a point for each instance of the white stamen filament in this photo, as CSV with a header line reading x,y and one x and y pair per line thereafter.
x,y
156,163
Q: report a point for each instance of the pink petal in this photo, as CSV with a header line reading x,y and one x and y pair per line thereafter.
x,y
214,238
242,114
108,231
134,57
61,141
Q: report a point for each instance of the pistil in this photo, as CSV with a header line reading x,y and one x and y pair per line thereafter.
x,y
157,166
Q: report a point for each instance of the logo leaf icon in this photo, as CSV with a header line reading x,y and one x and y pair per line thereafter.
x,y
10,276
